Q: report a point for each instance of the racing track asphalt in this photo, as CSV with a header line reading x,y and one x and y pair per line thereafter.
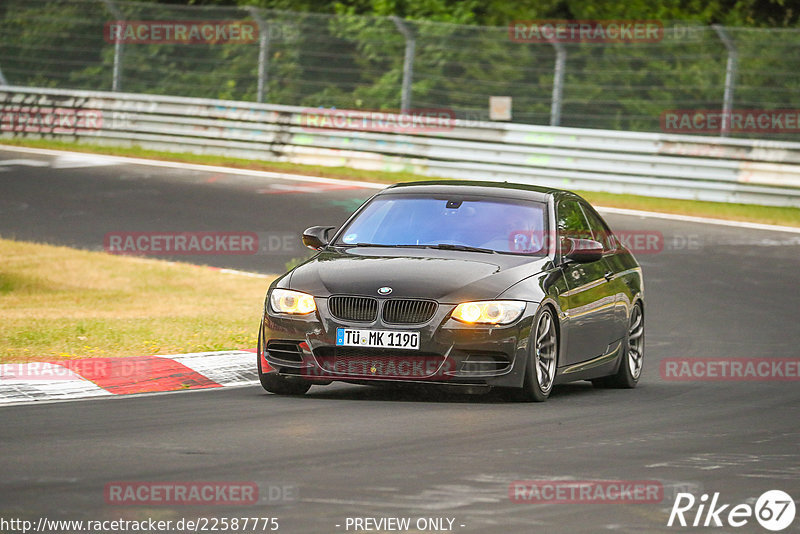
x,y
350,451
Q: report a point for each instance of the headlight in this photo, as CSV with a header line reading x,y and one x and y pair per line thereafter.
x,y
294,302
490,311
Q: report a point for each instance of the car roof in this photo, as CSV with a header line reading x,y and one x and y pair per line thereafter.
x,y
476,188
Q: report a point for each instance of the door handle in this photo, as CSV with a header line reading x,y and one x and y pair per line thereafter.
x,y
608,276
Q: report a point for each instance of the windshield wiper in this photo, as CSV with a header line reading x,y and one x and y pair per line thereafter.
x,y
440,246
465,248
373,245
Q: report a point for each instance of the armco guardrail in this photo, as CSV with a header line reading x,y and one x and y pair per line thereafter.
x,y
673,166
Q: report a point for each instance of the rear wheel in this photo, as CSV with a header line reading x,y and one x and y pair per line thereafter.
x,y
274,383
541,369
630,367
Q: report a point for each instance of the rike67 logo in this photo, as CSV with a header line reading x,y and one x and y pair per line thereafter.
x,y
774,510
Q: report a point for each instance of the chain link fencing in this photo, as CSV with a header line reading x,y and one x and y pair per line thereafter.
x,y
384,63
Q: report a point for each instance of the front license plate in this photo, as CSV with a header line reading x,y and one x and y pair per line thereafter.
x,y
352,337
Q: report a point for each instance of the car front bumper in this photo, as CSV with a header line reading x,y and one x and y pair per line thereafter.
x,y
450,352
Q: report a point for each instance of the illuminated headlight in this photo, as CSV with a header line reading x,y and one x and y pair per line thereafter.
x,y
294,302
489,312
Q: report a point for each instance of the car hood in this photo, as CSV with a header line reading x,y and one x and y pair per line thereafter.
x,y
443,275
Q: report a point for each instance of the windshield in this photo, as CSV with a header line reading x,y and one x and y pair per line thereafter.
x,y
496,225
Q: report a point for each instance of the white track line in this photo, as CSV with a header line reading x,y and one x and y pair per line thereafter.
x,y
197,167
371,185
703,220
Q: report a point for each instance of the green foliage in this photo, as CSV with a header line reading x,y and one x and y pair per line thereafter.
x,y
350,54
748,13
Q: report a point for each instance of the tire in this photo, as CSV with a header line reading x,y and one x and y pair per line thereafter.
x,y
540,371
630,366
273,382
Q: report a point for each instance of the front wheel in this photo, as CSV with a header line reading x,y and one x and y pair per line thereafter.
x,y
630,367
274,383
540,372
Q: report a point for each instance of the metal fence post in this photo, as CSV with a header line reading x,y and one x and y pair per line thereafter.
x,y
558,83
408,63
263,54
116,81
730,79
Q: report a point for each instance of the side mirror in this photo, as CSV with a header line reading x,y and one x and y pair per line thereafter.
x,y
316,237
584,250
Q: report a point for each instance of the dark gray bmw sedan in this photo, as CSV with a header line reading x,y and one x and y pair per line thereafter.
x,y
468,284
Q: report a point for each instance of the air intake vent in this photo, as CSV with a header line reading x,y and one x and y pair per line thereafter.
x,y
353,308
402,311
379,363
289,351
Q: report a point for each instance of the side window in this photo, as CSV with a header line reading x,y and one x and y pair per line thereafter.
x,y
571,223
600,230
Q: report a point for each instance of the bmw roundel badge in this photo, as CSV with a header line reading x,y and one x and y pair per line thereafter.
x,y
385,290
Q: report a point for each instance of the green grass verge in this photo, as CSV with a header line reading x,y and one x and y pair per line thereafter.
x,y
716,210
60,303
736,212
